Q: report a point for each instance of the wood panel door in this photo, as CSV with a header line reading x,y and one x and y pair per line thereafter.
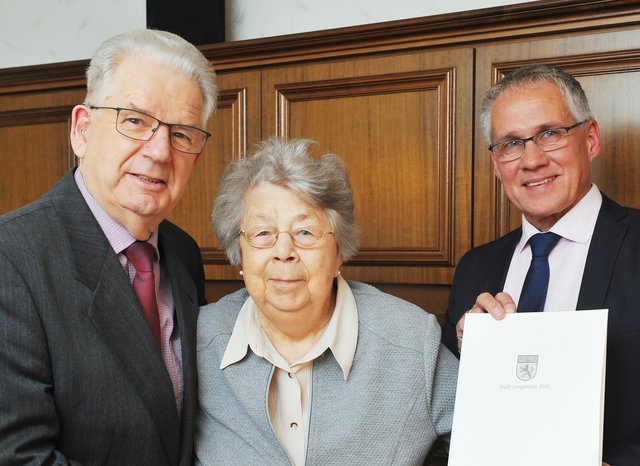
x,y
608,68
402,122
34,141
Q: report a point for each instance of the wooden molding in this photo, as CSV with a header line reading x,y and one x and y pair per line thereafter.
x,y
235,100
511,21
438,249
34,116
38,77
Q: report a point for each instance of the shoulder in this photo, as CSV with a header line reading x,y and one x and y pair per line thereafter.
x,y
27,218
40,208
219,318
178,247
172,233
393,319
500,246
61,200
487,258
34,225
612,211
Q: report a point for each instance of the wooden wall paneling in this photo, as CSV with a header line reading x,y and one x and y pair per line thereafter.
x,y
234,127
402,123
608,67
397,100
465,28
34,130
431,298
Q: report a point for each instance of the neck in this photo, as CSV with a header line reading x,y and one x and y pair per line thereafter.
x,y
139,229
295,334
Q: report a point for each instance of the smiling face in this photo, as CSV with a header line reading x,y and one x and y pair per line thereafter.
x,y
286,280
137,182
544,185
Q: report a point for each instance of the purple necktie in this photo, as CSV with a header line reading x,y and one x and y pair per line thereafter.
x,y
140,254
534,290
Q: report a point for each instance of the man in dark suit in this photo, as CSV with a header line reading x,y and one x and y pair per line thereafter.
x,y
543,139
87,377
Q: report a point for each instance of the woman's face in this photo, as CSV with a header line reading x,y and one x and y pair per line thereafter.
x,y
285,279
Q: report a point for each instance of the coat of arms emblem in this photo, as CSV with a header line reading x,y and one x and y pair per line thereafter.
x,y
527,367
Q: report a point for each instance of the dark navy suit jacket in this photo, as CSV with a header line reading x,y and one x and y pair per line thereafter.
x,y
611,280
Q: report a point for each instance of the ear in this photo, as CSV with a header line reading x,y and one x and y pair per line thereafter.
x,y
593,139
496,167
338,265
80,120
198,157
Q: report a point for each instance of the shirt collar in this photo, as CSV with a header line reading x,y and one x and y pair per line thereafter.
x,y
118,236
577,225
342,330
340,335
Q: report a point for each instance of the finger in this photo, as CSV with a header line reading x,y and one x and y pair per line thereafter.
x,y
507,302
489,303
460,331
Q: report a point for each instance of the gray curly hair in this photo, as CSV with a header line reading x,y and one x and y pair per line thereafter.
x,y
530,76
322,182
162,47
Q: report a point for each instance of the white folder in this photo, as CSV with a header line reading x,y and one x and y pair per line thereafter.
x,y
531,390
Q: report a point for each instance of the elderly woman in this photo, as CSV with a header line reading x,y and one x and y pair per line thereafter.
x,y
301,366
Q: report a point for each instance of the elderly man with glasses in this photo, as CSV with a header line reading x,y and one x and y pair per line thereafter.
x,y
543,140
99,294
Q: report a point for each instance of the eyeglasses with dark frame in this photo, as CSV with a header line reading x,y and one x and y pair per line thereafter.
x,y
546,140
265,236
141,126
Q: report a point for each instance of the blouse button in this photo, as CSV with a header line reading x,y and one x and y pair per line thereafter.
x,y
293,425
290,375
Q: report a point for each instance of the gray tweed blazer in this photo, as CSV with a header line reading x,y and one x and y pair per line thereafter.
x,y
396,401
81,378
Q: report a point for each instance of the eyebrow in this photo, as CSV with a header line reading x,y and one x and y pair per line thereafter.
x,y
266,217
133,106
538,130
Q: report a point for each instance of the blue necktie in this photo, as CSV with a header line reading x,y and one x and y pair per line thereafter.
x,y
536,283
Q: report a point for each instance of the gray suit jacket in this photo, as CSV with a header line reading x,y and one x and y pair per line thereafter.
x,y
396,401
82,380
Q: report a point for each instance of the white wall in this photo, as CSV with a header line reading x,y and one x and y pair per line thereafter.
x,y
250,19
34,32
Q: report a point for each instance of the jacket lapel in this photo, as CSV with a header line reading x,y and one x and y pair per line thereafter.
x,y
503,261
186,308
116,312
603,252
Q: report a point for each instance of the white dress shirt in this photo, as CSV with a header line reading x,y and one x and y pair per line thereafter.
x,y
566,260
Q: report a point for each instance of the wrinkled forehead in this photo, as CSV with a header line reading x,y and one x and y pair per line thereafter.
x,y
518,111
270,202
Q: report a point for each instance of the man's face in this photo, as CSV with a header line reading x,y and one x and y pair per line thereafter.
x,y
137,182
544,185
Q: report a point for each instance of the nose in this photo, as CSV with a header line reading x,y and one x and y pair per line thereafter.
x,y
158,146
284,249
532,156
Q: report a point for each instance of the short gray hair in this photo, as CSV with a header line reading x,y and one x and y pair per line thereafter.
x,y
530,76
162,47
321,182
